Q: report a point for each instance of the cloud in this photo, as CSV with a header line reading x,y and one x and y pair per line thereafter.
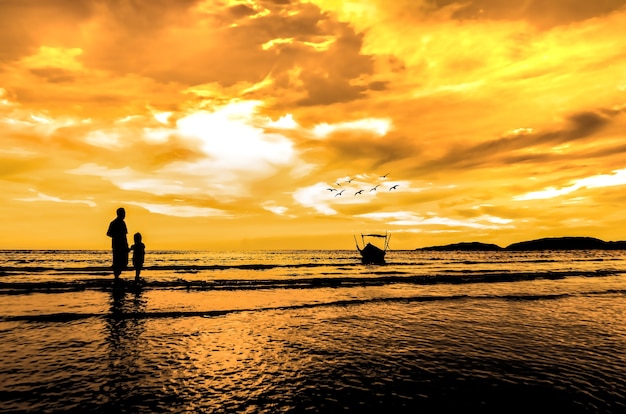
x,y
314,197
512,147
348,195
40,197
224,152
407,218
26,22
227,136
212,41
544,14
541,14
249,110
618,178
378,127
179,210
205,42
274,208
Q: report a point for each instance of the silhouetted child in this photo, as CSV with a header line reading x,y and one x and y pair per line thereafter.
x,y
139,252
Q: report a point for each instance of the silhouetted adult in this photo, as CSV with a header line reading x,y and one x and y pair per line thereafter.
x,y
117,232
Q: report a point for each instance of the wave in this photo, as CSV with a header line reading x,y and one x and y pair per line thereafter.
x,y
7,270
26,267
117,314
376,278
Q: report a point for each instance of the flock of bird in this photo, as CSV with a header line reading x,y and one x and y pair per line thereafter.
x,y
340,192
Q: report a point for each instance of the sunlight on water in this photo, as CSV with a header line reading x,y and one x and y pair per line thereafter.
x,y
314,332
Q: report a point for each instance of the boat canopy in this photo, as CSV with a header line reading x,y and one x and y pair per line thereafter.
x,y
375,235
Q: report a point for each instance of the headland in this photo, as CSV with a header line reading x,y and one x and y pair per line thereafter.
x,y
548,243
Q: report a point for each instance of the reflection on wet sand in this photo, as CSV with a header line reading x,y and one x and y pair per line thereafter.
x,y
124,339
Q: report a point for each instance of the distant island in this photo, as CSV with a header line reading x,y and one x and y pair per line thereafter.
x,y
549,243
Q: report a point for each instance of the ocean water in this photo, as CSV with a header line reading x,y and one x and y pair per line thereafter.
x,y
314,331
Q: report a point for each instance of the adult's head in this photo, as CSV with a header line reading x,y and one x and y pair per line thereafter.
x,y
121,213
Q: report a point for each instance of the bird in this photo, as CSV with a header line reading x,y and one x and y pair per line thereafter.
x,y
374,188
384,176
393,187
349,180
337,183
331,189
358,192
339,193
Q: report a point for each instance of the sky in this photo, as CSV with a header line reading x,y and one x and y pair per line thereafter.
x,y
297,124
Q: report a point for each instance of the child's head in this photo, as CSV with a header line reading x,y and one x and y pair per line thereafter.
x,y
137,237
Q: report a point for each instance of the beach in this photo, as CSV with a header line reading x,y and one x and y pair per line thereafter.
x,y
314,331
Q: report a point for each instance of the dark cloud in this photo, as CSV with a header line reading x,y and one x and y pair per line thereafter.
x,y
503,150
607,152
342,63
143,17
542,13
174,43
28,24
24,22
54,75
219,51
378,86
242,10
83,99
326,75
365,152
306,22
324,91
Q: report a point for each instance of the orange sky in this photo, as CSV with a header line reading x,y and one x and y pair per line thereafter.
x,y
221,124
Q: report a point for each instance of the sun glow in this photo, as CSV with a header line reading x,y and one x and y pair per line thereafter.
x,y
229,136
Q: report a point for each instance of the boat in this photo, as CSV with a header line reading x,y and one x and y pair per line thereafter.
x,y
372,253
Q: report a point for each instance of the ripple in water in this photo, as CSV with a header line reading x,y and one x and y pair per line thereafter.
x,y
551,344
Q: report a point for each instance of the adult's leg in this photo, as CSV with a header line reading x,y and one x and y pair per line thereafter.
x,y
120,261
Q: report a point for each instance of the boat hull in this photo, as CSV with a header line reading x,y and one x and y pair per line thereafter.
x,y
371,254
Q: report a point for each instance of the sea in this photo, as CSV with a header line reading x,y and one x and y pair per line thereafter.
x,y
314,332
